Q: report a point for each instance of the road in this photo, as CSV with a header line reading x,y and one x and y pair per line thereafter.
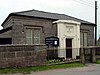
x,y
91,69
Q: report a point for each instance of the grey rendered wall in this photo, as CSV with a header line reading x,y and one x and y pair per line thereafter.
x,y
90,30
18,37
19,28
6,34
48,29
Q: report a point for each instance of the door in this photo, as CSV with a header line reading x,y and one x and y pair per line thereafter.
x,y
68,48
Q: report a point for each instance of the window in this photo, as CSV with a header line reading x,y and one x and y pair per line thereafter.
x,y
81,39
36,37
29,36
84,38
32,36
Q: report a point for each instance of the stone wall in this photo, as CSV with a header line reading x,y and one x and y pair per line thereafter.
x,y
22,55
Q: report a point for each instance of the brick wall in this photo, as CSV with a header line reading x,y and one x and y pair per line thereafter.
x,y
22,55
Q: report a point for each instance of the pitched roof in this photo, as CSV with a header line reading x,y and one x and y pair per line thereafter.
x,y
43,14
48,15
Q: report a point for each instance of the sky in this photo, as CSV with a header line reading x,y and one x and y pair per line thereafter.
x,y
82,9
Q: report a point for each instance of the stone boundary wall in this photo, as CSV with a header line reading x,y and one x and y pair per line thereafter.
x,y
22,55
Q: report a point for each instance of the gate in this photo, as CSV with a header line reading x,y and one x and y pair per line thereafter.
x,y
88,55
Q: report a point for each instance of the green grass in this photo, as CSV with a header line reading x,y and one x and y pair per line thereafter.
x,y
39,68
98,62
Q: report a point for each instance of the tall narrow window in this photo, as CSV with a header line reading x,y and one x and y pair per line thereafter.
x,y
36,37
84,39
33,36
81,37
29,39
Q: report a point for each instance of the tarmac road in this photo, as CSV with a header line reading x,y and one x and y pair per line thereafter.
x,y
91,69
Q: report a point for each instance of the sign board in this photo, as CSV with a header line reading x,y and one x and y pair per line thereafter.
x,y
53,41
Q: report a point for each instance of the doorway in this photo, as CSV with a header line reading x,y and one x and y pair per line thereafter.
x,y
68,48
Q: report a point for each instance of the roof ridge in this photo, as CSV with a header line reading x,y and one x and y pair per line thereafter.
x,y
47,15
51,13
23,11
38,11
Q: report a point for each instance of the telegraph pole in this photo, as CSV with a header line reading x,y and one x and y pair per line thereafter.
x,y
95,22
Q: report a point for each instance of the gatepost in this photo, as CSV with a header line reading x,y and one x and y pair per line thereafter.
x,y
82,56
93,55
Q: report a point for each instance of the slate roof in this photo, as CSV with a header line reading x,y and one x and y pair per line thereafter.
x,y
48,15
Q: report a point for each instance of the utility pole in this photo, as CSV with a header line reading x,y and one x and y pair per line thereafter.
x,y
95,22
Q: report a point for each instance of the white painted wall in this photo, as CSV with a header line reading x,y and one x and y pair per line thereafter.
x,y
68,29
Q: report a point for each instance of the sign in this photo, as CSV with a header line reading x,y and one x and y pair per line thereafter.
x,y
53,41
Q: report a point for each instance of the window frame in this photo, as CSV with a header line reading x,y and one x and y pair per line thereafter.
x,y
83,32
33,29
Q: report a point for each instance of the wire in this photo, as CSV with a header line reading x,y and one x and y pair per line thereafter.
x,y
79,2
83,2
98,12
89,2
98,1
98,7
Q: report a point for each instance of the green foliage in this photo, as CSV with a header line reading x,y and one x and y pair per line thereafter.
x,y
98,62
97,53
53,61
38,68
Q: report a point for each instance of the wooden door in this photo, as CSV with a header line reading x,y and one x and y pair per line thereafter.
x,y
68,48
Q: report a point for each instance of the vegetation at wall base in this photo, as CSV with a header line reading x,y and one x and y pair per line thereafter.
x,y
98,62
53,61
39,68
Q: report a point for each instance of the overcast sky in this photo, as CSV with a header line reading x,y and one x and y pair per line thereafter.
x,y
82,9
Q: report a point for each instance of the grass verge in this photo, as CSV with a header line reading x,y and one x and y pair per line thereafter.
x,y
39,68
98,62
